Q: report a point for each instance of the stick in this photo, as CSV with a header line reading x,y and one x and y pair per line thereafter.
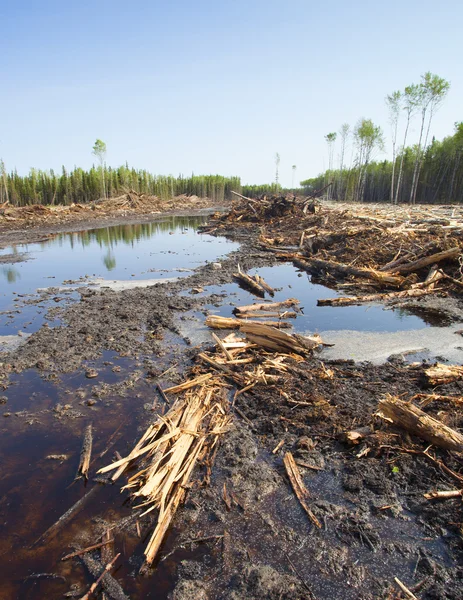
x,y
298,486
416,265
266,306
85,454
347,301
443,495
88,549
405,589
66,517
221,345
188,384
93,587
163,396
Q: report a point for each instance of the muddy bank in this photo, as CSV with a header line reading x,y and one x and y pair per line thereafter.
x,y
245,533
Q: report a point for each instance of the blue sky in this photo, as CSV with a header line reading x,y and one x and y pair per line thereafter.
x,y
209,86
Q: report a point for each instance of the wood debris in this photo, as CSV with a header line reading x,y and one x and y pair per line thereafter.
x,y
408,416
441,374
298,486
85,454
169,450
218,322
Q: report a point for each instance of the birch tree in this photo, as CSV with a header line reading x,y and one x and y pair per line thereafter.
x,y
277,168
368,138
410,100
99,150
344,135
432,92
3,182
330,140
393,102
293,175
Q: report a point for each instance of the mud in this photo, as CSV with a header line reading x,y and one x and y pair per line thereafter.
x,y
376,524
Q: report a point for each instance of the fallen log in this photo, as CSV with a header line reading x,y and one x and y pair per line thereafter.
x,y
317,265
298,486
85,454
433,277
261,281
274,339
351,300
249,282
440,374
217,322
251,308
287,314
409,417
416,265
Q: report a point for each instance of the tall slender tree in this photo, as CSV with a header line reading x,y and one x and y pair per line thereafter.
x,y
293,176
277,167
410,101
330,140
3,182
344,135
368,138
393,102
99,150
432,92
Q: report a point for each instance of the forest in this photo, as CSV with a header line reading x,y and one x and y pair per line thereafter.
x,y
79,186
428,171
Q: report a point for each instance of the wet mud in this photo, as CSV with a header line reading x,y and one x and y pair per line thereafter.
x,y
97,359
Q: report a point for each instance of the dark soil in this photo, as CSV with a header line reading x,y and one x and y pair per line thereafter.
x,y
376,523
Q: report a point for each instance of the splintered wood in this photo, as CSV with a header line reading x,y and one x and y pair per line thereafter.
x,y
85,454
255,283
298,486
408,416
168,452
440,374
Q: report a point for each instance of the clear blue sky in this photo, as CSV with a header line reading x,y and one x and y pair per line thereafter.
x,y
210,86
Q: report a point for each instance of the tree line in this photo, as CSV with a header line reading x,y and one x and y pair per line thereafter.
x,y
80,187
427,171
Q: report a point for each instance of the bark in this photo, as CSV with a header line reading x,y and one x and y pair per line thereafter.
x,y
409,417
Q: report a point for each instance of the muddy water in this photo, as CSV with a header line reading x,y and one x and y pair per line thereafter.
x,y
46,415
145,252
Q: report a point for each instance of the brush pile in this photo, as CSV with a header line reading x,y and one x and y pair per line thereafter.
x,y
392,249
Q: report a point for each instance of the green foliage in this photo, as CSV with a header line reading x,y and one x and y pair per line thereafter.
x,y
441,178
81,187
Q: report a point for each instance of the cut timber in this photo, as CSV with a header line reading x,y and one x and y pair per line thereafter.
x,y
85,454
287,314
274,339
348,301
265,306
444,495
298,486
440,374
433,277
416,265
217,322
409,417
317,265
249,282
261,281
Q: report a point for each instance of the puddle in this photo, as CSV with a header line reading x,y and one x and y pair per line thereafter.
x,y
115,256
366,332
